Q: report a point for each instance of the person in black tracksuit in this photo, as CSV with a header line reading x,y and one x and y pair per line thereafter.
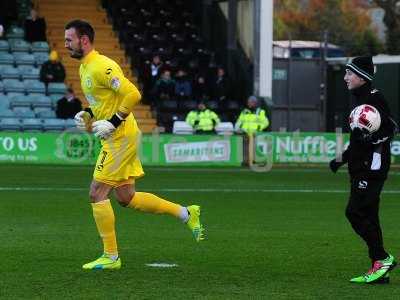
x,y
368,158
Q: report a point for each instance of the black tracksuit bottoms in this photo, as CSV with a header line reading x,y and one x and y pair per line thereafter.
x,y
363,213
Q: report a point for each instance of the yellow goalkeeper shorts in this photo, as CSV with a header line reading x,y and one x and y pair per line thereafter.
x,y
118,162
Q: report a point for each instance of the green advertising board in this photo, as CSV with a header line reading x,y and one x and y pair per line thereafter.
x,y
306,147
71,147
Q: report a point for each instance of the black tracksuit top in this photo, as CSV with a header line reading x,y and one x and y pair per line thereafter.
x,y
371,160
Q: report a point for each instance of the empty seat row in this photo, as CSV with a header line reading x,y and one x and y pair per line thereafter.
x,y
20,45
31,86
29,101
36,124
26,112
20,72
23,58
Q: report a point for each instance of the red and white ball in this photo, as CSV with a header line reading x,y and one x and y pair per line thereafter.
x,y
365,117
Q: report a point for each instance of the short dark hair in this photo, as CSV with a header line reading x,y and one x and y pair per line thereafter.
x,y
82,28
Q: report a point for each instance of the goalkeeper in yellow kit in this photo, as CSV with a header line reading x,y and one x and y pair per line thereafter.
x,y
109,116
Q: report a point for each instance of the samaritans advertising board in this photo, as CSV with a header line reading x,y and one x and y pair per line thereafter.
x,y
71,147
298,147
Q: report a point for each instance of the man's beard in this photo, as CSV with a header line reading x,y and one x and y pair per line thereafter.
x,y
78,54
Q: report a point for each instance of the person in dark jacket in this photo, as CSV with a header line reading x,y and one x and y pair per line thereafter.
x,y
52,70
68,106
368,160
35,28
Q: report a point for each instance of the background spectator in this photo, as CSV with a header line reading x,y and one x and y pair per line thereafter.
x,y
35,28
52,70
8,13
68,106
183,87
152,73
220,86
201,90
164,89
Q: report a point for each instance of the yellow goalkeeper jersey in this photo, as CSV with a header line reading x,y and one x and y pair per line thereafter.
x,y
105,85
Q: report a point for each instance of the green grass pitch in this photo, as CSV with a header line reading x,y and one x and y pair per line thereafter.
x,y
275,235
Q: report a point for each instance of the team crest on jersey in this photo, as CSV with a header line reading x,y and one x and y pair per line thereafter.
x,y
115,83
88,82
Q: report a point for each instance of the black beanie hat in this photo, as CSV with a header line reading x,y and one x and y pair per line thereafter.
x,y
362,66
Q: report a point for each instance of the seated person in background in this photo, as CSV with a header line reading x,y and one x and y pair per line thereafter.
x,y
52,70
201,91
164,89
183,87
35,28
68,106
252,119
151,73
203,120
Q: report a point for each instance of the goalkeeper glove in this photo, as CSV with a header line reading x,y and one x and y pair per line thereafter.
x,y
105,128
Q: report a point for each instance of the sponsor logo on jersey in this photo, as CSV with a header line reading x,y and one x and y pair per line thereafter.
x,y
109,70
362,184
115,83
88,82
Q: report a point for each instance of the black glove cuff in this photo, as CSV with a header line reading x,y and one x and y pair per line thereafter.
x,y
116,120
89,110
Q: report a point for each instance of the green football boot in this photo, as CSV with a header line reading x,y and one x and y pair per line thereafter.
x,y
103,263
194,222
378,272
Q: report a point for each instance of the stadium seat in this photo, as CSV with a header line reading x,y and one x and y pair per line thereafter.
x,y
181,127
20,101
70,123
40,100
13,85
34,86
40,57
44,112
188,105
53,124
10,124
213,105
7,113
9,72
57,88
1,86
24,58
224,128
23,112
15,32
4,46
19,45
54,98
4,101
29,72
31,124
6,59
40,47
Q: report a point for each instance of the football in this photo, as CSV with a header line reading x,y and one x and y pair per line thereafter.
x,y
365,117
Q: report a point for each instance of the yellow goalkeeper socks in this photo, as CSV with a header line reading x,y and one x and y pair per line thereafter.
x,y
151,203
104,216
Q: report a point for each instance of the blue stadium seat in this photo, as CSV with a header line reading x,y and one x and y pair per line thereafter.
x,y
40,57
19,45
6,59
34,86
32,124
24,58
4,46
40,47
7,113
9,72
13,85
53,124
55,97
4,101
70,123
57,88
40,100
23,112
20,101
15,32
10,124
1,85
44,112
29,72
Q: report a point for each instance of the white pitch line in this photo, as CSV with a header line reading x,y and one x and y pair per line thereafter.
x,y
195,190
